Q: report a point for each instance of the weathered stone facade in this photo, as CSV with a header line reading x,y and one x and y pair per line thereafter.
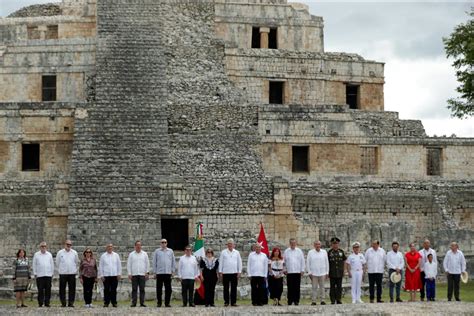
x,y
166,110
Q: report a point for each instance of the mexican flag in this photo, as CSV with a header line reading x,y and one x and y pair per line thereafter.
x,y
199,253
199,243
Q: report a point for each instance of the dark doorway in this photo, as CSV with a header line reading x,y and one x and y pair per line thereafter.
x,y
300,158
49,88
175,230
433,165
30,157
273,39
352,96
276,92
256,37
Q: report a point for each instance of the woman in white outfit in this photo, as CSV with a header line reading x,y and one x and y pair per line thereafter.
x,y
355,265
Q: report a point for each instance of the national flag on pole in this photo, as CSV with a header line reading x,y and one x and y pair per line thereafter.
x,y
199,243
199,252
262,240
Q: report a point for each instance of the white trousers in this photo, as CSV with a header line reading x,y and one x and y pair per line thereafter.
x,y
356,283
317,288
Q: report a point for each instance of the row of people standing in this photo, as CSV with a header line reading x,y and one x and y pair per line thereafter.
x,y
420,269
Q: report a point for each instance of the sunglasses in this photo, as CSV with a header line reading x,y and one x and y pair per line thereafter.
x,y
43,246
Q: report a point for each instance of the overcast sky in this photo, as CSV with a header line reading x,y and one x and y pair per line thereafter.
x,y
406,35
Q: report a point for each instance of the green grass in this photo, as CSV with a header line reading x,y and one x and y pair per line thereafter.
x,y
467,295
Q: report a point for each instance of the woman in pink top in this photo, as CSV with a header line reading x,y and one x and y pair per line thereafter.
x,y
88,275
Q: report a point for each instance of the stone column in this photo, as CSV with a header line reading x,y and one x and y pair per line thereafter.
x,y
264,31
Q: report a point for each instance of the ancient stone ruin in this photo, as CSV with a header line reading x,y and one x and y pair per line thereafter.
x,y
124,120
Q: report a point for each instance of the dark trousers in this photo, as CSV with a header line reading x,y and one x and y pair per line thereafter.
x,y
375,279
276,287
422,290
430,289
230,280
392,285
335,291
138,281
209,290
293,283
163,279
453,283
88,286
70,280
110,290
258,290
44,290
187,291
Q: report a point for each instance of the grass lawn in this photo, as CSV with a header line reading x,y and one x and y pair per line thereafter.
x,y
467,295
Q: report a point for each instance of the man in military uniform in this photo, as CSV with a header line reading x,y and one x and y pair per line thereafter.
x,y
337,258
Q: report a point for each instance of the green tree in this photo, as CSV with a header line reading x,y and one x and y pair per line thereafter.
x,y
460,46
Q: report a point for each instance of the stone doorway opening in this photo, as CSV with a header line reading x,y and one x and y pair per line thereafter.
x,y
175,230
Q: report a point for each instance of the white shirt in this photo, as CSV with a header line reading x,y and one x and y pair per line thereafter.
x,y
43,264
230,262
294,260
188,268
67,261
424,256
317,262
138,263
454,263
431,269
375,260
110,265
356,261
276,267
164,261
257,265
395,260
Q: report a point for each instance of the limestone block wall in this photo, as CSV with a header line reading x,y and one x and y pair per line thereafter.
x,y
297,29
309,78
120,152
27,52
52,126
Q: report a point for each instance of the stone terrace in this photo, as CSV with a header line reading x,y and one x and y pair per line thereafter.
x,y
438,308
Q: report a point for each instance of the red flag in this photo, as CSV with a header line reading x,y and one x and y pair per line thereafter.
x,y
262,240
200,290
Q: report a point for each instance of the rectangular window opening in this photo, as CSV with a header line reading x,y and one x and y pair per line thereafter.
x,y
434,156
52,32
352,96
49,88
256,37
30,157
33,32
175,231
276,92
273,38
368,160
300,158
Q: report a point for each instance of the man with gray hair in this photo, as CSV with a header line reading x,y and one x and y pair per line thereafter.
x,y
295,266
454,265
67,262
164,265
424,252
318,270
43,270
230,268
257,270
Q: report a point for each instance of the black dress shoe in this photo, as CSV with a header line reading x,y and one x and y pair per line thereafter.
x,y
339,302
234,305
192,305
133,305
114,305
399,300
71,305
142,305
313,304
226,304
379,301
106,305
184,305
323,303
167,305
47,305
